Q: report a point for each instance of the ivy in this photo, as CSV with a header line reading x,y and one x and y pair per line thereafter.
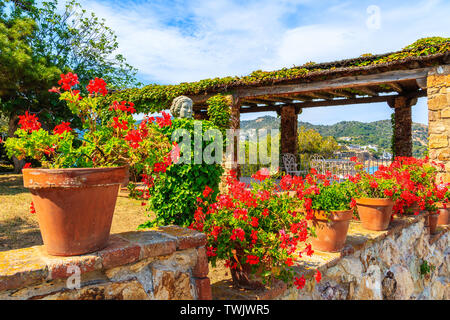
x,y
155,98
219,112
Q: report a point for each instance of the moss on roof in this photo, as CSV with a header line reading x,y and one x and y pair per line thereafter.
x,y
154,97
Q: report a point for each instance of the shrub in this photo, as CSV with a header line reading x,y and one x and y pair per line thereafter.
x,y
259,227
173,198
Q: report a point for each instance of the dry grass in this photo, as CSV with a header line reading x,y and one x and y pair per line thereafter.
x,y
19,228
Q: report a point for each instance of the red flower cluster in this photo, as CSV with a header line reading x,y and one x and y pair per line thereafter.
x,y
251,259
134,137
29,122
120,124
67,81
61,128
97,85
124,106
165,120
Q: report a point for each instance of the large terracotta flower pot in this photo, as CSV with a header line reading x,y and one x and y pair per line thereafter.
x,y
443,218
331,230
375,213
74,206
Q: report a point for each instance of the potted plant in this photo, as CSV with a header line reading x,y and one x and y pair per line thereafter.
x,y
329,209
443,203
257,231
375,195
75,191
413,176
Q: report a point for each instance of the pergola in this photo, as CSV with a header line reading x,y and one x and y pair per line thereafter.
x,y
398,78
398,83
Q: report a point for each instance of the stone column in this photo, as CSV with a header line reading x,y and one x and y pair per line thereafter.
x,y
288,130
438,84
402,129
235,123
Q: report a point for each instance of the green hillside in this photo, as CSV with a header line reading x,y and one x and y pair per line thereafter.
x,y
377,133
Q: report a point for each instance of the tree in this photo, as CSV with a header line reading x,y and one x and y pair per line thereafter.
x,y
312,142
37,44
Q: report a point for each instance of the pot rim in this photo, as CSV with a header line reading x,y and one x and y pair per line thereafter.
x,y
38,178
335,215
375,201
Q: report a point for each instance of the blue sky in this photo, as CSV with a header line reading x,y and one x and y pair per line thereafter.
x,y
178,41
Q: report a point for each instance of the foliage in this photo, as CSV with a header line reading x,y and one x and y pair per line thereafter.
x,y
324,192
259,228
381,184
313,143
377,133
426,268
38,43
103,142
219,112
173,198
153,98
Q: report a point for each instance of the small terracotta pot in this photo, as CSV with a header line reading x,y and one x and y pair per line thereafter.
x,y
431,221
331,230
74,206
443,218
242,276
375,213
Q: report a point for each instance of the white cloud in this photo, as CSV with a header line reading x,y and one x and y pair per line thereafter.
x,y
192,40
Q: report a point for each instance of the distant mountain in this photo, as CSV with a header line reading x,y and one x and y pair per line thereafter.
x,y
377,133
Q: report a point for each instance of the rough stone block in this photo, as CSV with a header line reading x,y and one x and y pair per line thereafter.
x,y
21,267
201,268
203,287
171,284
185,238
119,252
152,243
438,141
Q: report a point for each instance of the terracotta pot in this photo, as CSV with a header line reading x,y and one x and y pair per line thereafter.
x,y
331,231
74,206
242,276
375,213
443,218
431,221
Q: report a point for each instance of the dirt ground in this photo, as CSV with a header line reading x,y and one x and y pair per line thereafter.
x,y
19,228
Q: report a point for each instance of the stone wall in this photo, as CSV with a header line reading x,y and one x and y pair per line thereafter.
x,y
167,263
372,266
438,84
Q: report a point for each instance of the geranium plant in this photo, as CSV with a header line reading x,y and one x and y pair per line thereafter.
x,y
416,180
257,230
381,184
108,138
324,192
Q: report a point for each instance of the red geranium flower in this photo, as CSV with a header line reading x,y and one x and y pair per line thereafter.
x,y
61,128
300,282
29,122
67,81
97,85
318,276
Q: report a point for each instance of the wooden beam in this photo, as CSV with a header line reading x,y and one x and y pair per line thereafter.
x,y
397,87
341,94
338,83
260,101
422,82
278,99
367,91
317,95
336,102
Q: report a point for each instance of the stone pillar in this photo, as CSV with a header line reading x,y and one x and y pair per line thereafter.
x,y
402,129
438,92
288,130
